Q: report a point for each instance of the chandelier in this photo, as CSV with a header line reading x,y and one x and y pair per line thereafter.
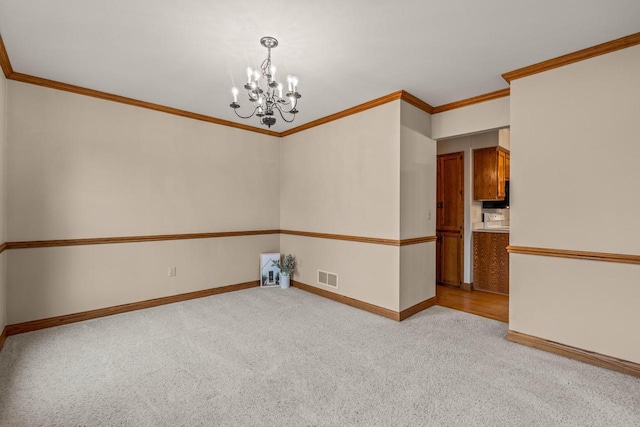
x,y
266,93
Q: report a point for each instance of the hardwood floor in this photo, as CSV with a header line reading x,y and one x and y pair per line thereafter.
x,y
486,304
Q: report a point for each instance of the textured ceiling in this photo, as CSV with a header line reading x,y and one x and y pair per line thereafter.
x,y
188,54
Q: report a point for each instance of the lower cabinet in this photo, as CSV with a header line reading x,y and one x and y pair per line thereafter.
x,y
491,262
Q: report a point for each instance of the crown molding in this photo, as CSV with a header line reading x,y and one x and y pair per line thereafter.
x,y
399,95
345,113
570,58
601,49
10,74
7,69
52,84
416,102
473,100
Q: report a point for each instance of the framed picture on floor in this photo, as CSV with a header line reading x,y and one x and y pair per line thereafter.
x,y
269,273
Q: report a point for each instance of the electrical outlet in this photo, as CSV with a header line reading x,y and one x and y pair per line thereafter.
x,y
172,271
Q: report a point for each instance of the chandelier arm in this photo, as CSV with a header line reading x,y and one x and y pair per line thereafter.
x,y
247,117
282,115
292,103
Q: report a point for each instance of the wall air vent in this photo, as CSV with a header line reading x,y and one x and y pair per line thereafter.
x,y
327,279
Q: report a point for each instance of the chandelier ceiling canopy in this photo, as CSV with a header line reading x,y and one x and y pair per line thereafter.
x,y
266,94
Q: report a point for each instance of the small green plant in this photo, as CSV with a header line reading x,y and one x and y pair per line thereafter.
x,y
286,264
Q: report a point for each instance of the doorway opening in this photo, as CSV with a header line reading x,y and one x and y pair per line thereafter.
x,y
462,212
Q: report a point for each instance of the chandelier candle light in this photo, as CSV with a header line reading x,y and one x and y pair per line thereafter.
x,y
265,92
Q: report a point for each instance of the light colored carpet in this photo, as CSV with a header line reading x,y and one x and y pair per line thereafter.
x,y
289,358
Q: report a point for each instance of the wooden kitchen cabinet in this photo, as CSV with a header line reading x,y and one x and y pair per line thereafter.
x,y
491,262
507,167
490,171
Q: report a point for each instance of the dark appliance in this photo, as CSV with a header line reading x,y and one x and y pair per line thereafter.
x,y
498,204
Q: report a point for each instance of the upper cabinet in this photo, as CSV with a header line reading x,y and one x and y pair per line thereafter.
x,y
490,171
507,168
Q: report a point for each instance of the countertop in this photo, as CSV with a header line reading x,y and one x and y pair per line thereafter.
x,y
492,230
491,227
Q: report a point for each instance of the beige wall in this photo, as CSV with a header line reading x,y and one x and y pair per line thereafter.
x,y
474,118
81,167
504,138
371,174
574,170
344,178
417,274
417,174
417,206
3,232
56,281
366,272
84,167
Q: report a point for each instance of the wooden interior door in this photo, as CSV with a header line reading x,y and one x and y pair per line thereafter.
x,y
450,219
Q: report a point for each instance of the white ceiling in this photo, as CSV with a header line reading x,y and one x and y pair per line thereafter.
x,y
187,54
